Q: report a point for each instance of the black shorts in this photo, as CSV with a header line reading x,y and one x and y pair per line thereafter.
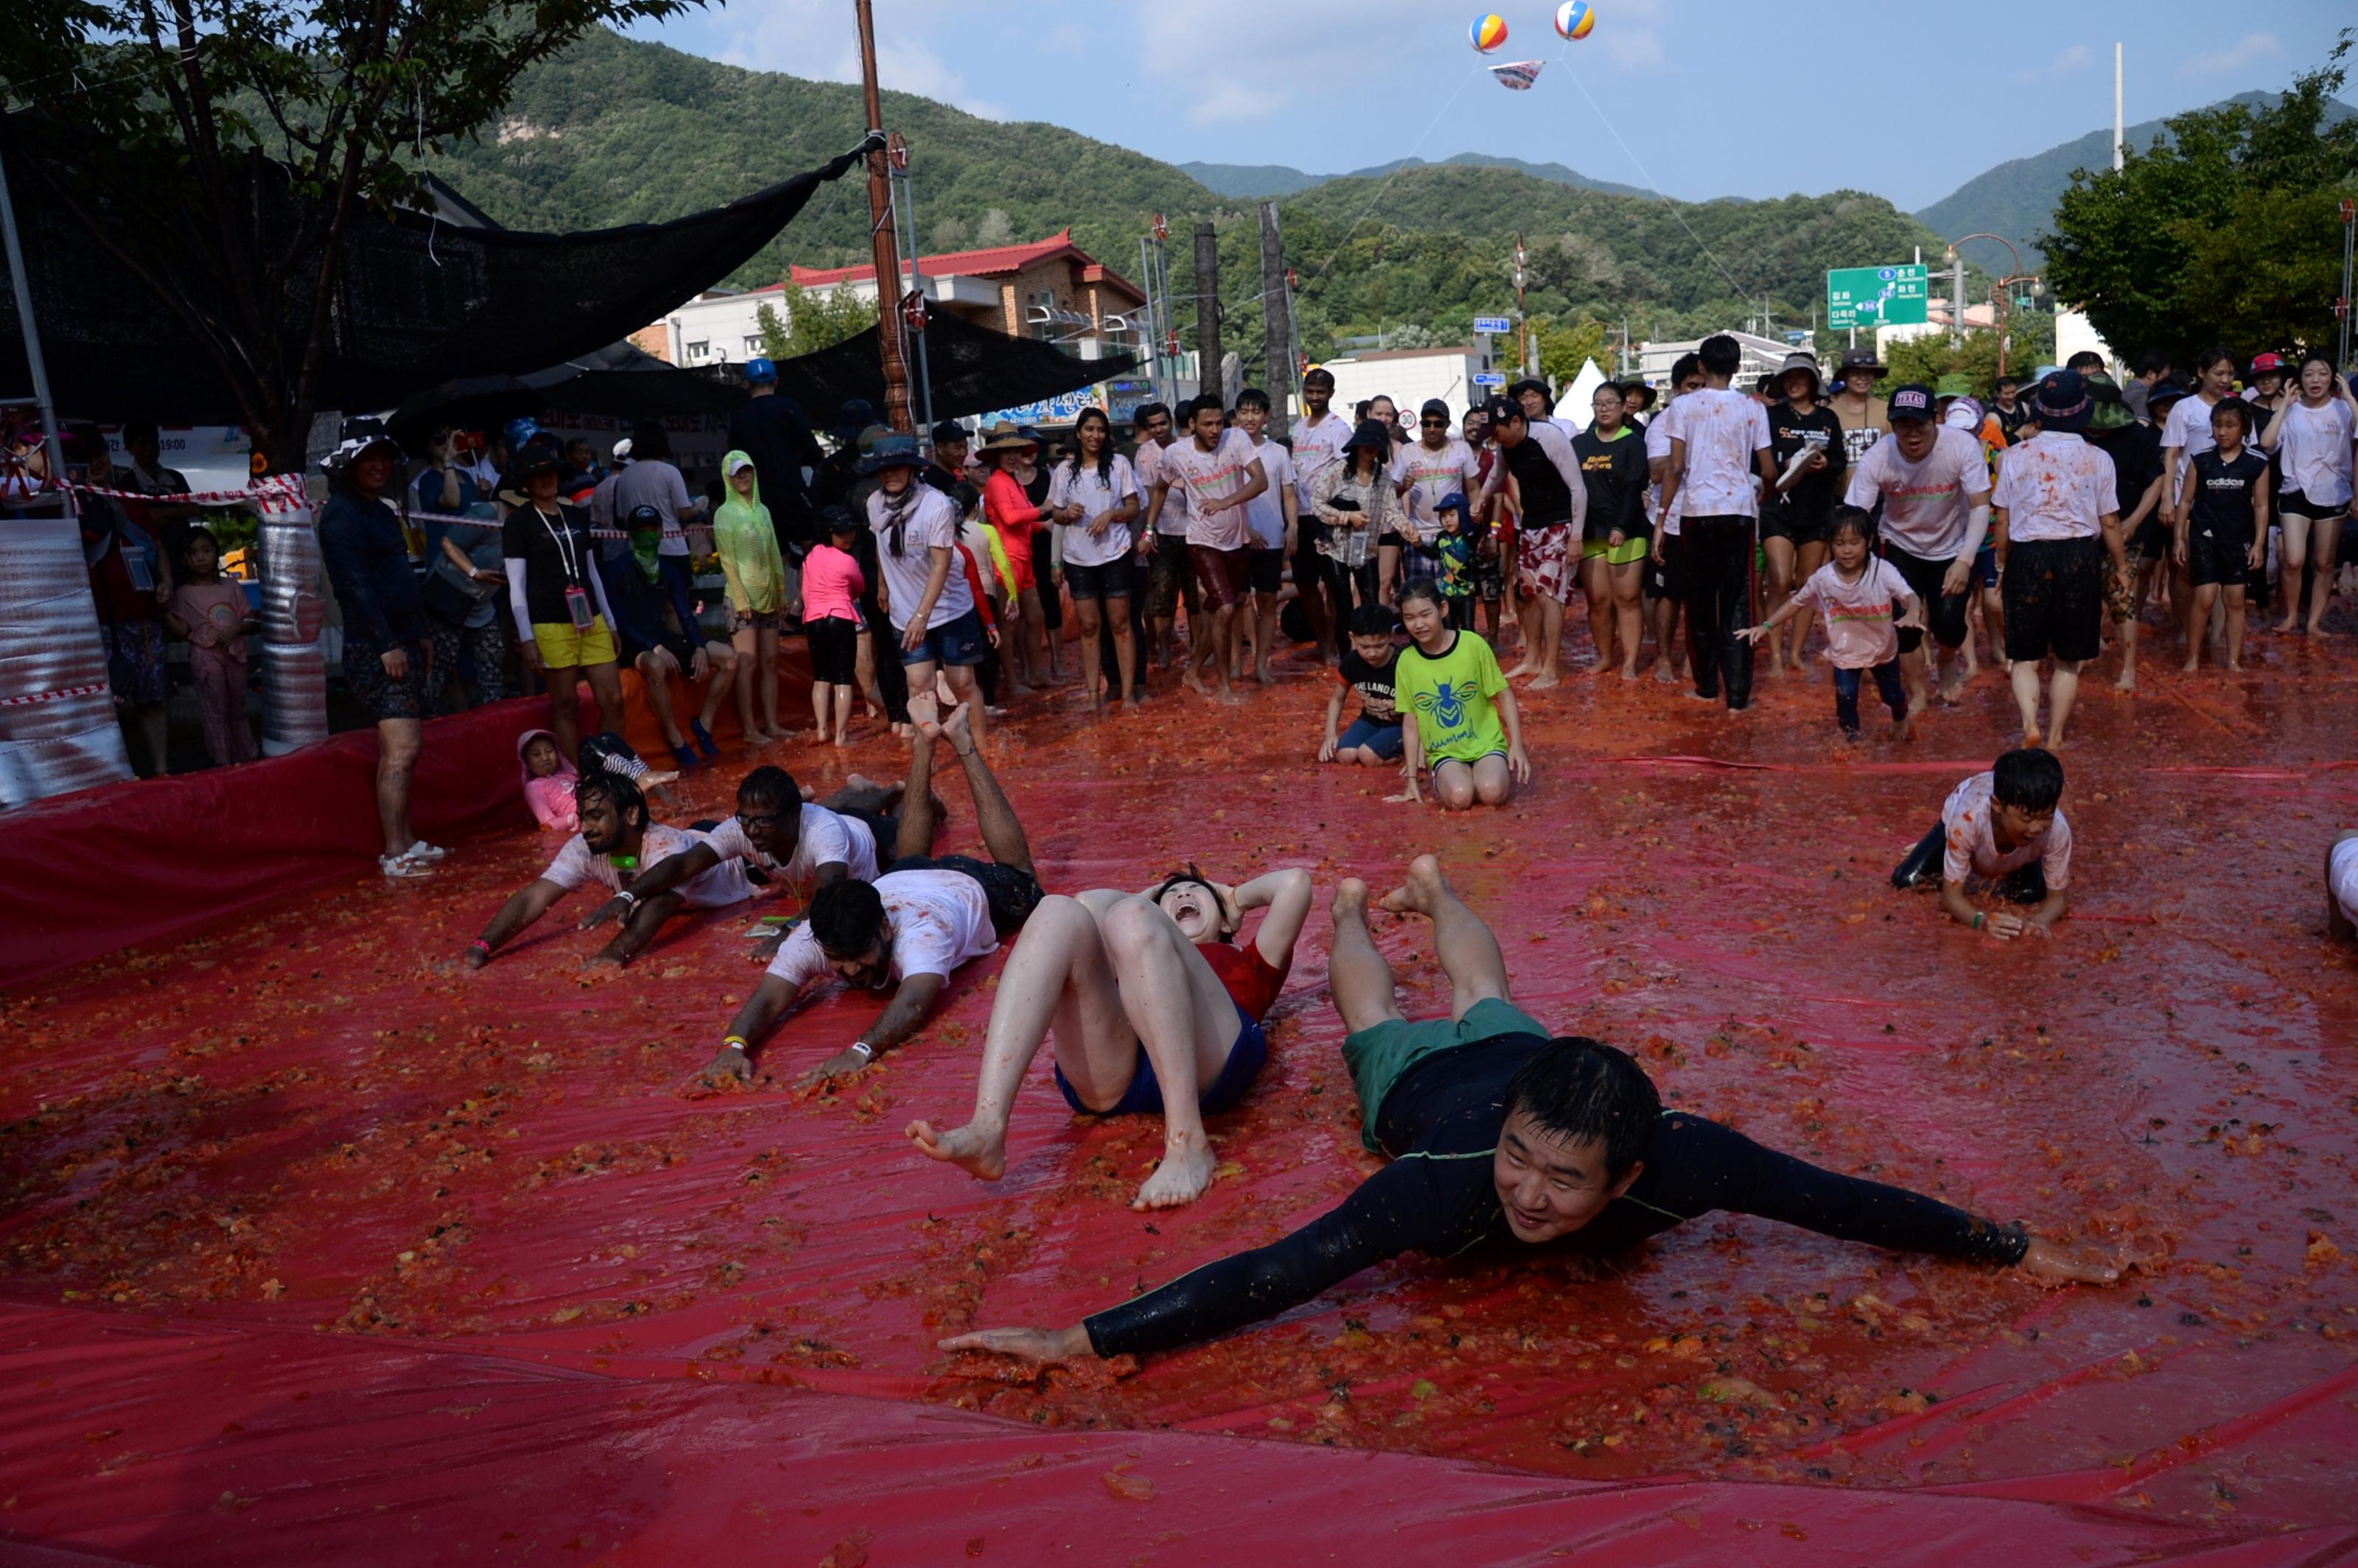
x,y
1052,603
2054,592
1802,526
1667,578
1944,613
834,650
1390,541
1110,580
1265,571
2217,554
386,697
2293,504
2153,538
1171,578
1489,573
1012,894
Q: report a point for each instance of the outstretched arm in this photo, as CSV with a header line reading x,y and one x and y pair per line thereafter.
x,y
524,906
769,1001
660,878
903,1016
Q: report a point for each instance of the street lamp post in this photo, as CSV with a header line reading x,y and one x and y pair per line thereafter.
x,y
1998,305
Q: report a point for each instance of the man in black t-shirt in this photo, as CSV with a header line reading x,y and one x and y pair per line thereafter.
x,y
1495,1132
771,430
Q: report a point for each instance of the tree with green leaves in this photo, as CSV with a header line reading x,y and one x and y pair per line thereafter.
x,y
2228,231
809,322
220,149
1565,346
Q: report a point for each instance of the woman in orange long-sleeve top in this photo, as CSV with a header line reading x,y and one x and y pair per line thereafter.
x,y
1008,510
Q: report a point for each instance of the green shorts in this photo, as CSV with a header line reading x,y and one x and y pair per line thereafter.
x,y
1620,555
1379,1056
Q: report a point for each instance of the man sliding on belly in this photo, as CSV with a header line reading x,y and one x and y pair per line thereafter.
x,y
1496,1130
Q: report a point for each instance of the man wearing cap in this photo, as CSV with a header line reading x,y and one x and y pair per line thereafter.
x,y
2056,496
1550,498
366,558
1436,464
771,430
1866,419
926,596
1805,437
1935,490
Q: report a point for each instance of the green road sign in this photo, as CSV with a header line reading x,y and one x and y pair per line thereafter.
x,y
1875,297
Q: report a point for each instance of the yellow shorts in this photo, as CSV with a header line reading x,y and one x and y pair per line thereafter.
x,y
1619,554
563,648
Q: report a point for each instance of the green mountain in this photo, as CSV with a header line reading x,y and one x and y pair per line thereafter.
x,y
619,131
1264,180
2017,199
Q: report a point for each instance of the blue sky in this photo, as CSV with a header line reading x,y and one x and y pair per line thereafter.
x,y
1893,100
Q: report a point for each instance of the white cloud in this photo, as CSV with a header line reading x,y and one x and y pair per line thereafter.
x,y
1624,33
2069,62
2249,50
1225,61
817,39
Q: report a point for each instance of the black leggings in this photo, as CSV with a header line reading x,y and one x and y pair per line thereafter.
x,y
2024,884
1342,582
1719,604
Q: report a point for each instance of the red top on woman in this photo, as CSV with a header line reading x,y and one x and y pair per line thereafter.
x,y
1006,508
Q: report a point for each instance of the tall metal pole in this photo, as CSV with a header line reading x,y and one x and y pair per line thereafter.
x,y
1208,313
1522,326
1170,321
906,206
2347,305
2117,159
1150,340
1277,314
880,234
53,450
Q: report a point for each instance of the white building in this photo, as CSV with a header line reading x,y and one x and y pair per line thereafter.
x,y
1408,376
1760,357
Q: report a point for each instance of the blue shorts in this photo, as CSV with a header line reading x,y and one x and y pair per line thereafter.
x,y
955,642
1433,770
1985,566
1383,739
1247,1057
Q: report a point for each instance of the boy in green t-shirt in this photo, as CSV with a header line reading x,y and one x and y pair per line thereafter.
x,y
1458,712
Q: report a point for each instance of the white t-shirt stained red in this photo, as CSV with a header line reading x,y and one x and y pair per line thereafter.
x,y
932,521
1657,447
1265,513
1973,841
827,838
1724,431
1205,477
1096,495
577,864
2054,486
1858,615
1151,454
1316,448
1927,507
938,919
1430,475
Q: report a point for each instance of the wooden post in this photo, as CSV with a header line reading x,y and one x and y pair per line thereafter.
x,y
879,232
1207,311
1277,311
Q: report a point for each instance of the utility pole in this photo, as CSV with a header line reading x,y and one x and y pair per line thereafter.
x,y
879,232
1277,314
1208,313
2344,306
2116,109
1957,298
1523,323
912,310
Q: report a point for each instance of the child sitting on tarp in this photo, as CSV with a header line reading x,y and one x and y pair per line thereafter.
x,y
2003,828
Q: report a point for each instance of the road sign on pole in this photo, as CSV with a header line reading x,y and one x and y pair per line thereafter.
x,y
1497,326
1875,297
1489,378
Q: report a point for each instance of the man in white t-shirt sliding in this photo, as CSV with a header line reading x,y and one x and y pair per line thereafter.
x,y
1721,471
616,840
1219,472
911,928
2004,828
1935,491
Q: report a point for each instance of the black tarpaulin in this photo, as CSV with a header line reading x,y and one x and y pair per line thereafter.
x,y
420,301
975,370
618,380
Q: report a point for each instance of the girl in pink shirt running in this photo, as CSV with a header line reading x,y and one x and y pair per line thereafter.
x,y
1865,601
832,584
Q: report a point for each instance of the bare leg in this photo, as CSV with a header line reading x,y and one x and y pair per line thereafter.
x,y
1003,835
968,692
606,686
1780,588
1085,613
1494,785
397,742
2328,556
1597,583
747,646
1187,1024
1453,785
1125,649
563,710
1808,556
2025,677
2234,596
1356,973
2062,690
916,823
1059,977
1468,952
2293,555
654,680
766,643
722,660
1551,643
1630,614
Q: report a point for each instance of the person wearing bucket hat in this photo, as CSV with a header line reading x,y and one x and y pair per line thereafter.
x,y
1219,472
1935,491
557,596
2311,438
2135,447
1805,437
2058,517
1007,454
1864,418
926,596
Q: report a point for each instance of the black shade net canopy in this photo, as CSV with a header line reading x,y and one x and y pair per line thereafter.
x,y
975,370
618,380
419,300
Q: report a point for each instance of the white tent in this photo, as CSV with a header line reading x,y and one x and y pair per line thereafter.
x,y
1574,403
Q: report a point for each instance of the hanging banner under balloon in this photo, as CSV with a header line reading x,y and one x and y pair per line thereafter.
x,y
1518,75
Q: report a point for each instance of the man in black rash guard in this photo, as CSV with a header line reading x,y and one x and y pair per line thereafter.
x,y
1496,1131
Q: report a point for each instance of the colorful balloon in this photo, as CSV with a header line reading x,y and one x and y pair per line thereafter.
x,y
1488,32
1573,18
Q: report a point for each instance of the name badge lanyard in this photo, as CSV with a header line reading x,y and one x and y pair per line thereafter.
x,y
576,597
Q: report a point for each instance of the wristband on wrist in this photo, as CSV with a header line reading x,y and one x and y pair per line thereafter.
x,y
864,1051
480,946
736,1042
1978,919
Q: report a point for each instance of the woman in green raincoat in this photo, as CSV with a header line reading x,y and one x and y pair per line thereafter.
x,y
748,546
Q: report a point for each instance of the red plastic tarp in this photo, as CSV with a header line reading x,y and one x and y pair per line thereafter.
x,y
310,1250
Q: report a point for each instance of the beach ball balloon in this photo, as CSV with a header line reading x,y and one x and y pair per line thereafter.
x,y
1573,18
1488,32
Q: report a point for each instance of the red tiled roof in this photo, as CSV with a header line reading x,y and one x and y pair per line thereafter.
x,y
995,261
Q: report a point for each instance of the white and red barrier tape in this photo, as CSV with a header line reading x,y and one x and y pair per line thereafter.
x,y
276,490
58,696
457,520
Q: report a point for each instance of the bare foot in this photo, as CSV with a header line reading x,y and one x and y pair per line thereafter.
x,y
843,739
1265,676
2128,681
925,713
1195,683
959,727
1628,672
974,1149
2031,737
1546,680
1520,670
1664,673
1185,1174
1350,902
1129,705
1903,730
1775,669
1417,896
1953,687
2190,665
2235,666
1231,697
